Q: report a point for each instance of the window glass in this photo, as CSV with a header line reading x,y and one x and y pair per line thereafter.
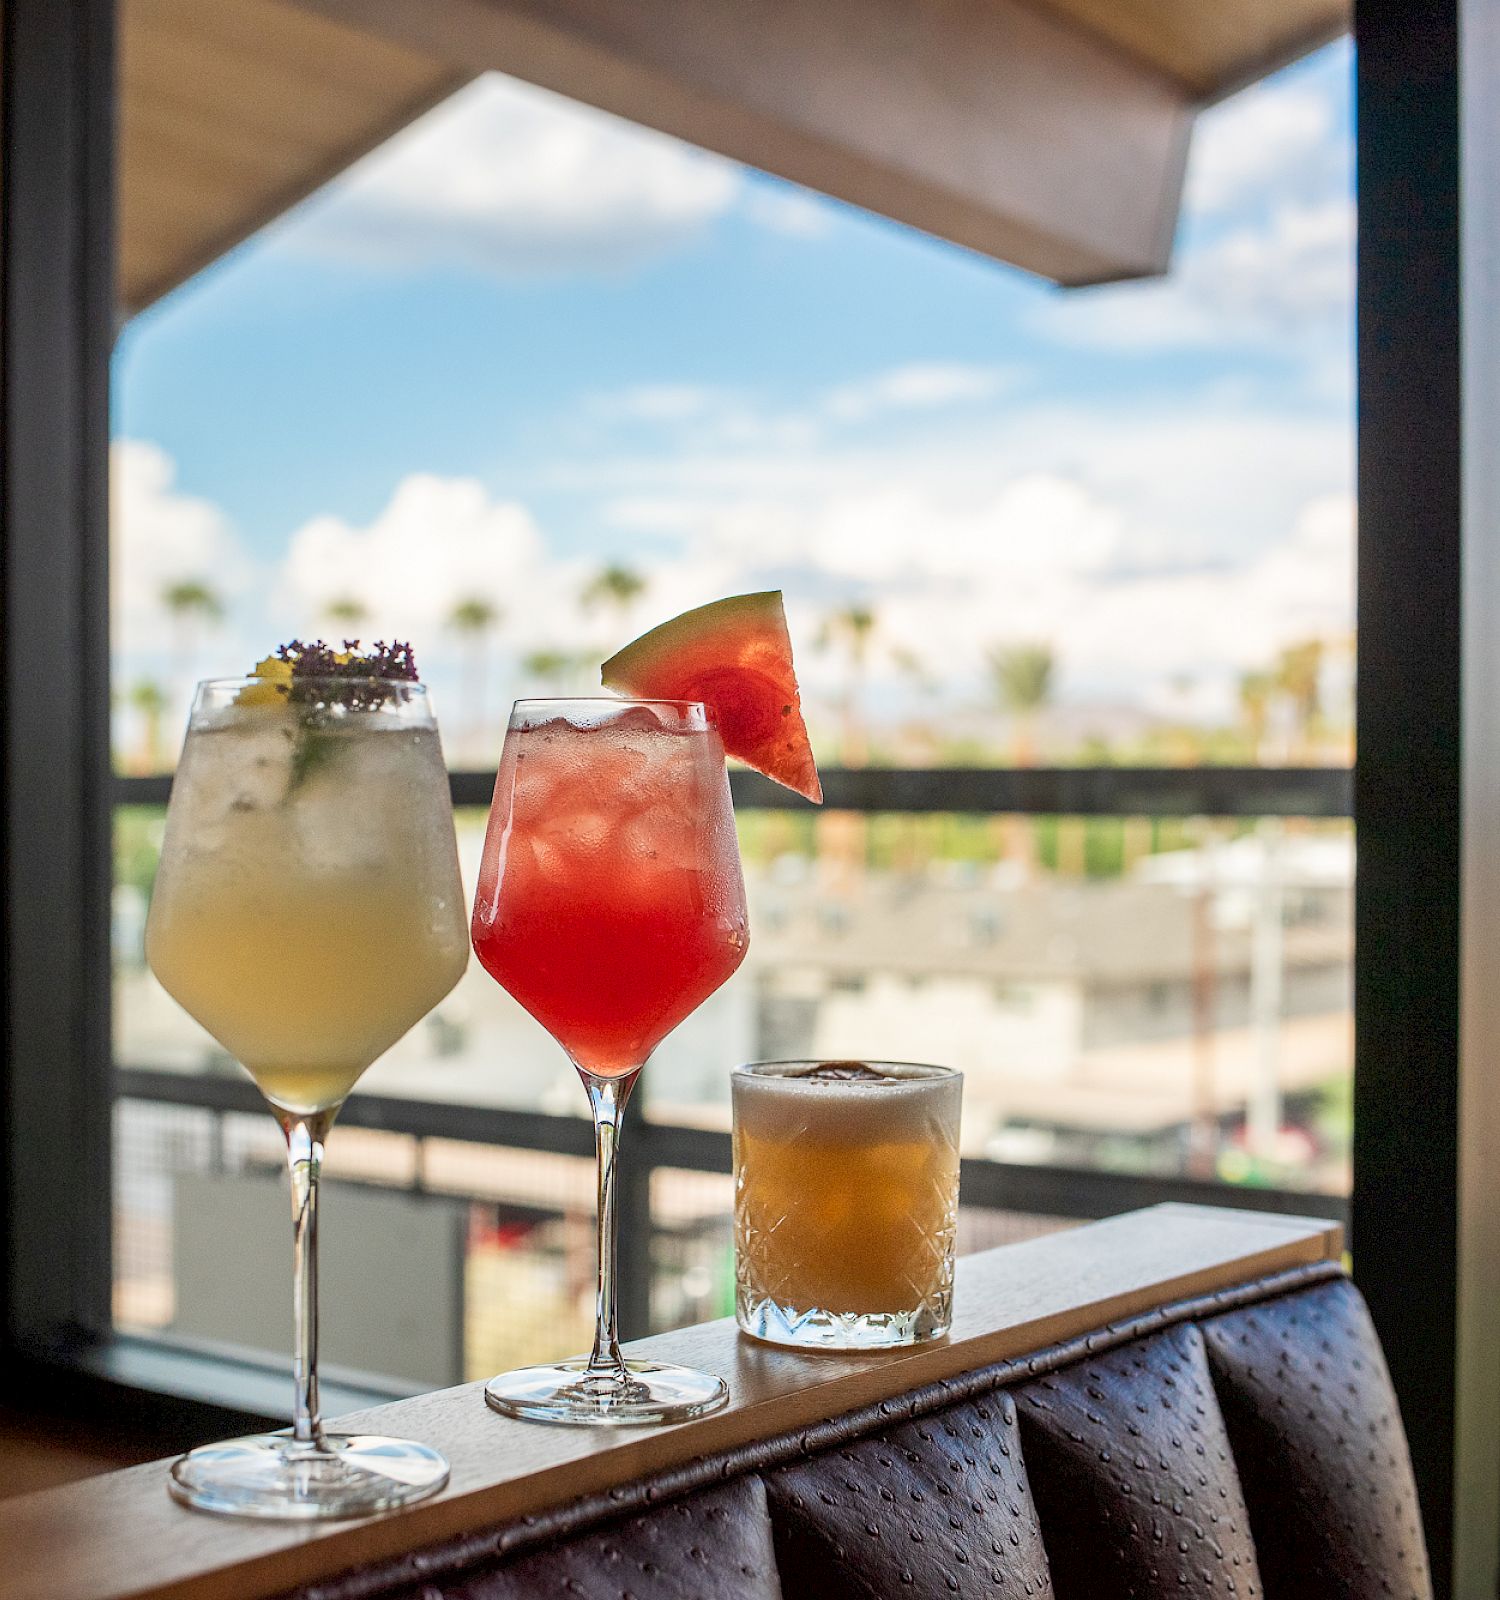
x,y
528,380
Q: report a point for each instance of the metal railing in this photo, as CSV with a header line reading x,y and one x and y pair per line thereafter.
x,y
1073,1193
1077,1193
1035,791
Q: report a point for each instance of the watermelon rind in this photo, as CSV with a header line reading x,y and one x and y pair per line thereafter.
x,y
735,655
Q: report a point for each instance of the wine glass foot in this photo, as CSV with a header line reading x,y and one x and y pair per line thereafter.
x,y
567,1392
270,1475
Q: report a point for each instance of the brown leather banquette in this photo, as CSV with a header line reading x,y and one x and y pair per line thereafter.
x,y
1242,1443
1183,1402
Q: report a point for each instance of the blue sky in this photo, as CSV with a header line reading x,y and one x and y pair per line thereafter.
x,y
525,338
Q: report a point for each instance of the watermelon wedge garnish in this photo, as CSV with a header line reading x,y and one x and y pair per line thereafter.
x,y
736,657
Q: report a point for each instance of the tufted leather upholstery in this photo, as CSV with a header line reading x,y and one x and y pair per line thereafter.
x,y
1246,1445
1134,1479
1321,1454
709,1544
930,1509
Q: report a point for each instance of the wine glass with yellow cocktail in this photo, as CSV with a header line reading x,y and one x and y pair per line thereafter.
x,y
307,912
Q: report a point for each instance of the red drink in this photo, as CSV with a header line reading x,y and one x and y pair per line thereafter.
x,y
610,899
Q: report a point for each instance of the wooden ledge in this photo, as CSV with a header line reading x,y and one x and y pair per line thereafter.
x,y
120,1536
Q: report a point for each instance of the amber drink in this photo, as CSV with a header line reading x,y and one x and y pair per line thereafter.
x,y
846,1201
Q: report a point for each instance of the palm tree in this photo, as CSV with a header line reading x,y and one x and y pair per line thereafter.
x,y
149,699
616,587
348,610
473,618
1022,677
911,667
551,668
853,628
192,605
1299,669
1256,689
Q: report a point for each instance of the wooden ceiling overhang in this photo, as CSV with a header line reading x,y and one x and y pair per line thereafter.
x,y
1051,134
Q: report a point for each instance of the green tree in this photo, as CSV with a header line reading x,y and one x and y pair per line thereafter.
x,y
552,668
347,610
614,585
149,700
192,599
851,629
193,608
911,667
1299,669
1022,677
1256,690
615,588
474,619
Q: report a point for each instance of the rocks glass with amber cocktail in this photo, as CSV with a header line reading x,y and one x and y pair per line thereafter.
x,y
308,911
845,1201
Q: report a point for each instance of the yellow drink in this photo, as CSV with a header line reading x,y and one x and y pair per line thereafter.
x,y
307,910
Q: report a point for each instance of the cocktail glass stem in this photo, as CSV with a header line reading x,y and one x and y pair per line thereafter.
x,y
307,1474
607,1097
304,1154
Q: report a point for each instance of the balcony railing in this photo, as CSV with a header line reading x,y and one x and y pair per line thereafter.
x,y
1040,1190
1034,791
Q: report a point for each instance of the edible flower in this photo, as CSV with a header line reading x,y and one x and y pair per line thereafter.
x,y
316,674
275,683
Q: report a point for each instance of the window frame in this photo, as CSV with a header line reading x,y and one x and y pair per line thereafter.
x,y
56,329
1424,82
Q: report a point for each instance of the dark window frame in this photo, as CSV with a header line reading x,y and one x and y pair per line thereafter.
x,y
56,329
1418,96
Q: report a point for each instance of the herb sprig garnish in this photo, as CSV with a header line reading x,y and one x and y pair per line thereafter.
x,y
348,677
319,681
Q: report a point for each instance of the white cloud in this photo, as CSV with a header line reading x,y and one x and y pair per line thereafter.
x,y
704,419
1183,540
506,177
662,402
1189,482
1258,142
897,530
1295,273
1209,627
160,536
1036,565
787,209
1183,544
1282,280
1266,256
437,541
1306,583
917,386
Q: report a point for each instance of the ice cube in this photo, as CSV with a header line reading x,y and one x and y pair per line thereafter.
x,y
575,833
543,856
341,808
532,781
641,837
247,767
637,719
668,838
